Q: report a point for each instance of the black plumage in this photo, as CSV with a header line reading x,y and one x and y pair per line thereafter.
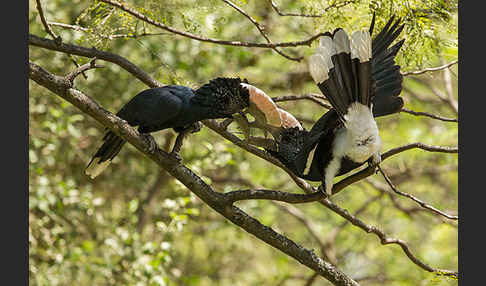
x,y
173,106
376,83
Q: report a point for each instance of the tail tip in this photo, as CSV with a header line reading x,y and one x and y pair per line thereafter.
x,y
95,168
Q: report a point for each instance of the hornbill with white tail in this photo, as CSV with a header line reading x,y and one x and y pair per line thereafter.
x,y
173,106
361,80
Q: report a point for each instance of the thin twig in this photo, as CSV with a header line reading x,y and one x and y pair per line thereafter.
x,y
430,69
68,26
91,65
335,5
311,279
318,99
421,203
430,148
419,113
297,214
309,96
114,36
449,90
261,30
44,22
227,122
410,211
77,65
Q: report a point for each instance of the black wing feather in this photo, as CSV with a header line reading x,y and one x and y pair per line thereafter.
x,y
385,72
153,109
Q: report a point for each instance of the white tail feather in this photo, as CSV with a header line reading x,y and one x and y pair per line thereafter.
x,y
95,168
341,42
320,62
327,43
318,68
361,46
327,49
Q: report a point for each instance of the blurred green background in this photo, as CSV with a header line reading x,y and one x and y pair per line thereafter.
x,y
136,225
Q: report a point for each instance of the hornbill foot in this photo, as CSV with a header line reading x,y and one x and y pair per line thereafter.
x,y
266,143
178,144
374,161
151,142
325,191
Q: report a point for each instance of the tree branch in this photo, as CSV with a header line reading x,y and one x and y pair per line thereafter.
x,y
310,96
90,53
430,69
419,113
44,22
421,203
144,18
91,65
261,30
410,211
335,5
111,37
262,194
430,148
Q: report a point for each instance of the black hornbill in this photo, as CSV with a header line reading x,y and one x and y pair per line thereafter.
x,y
361,80
173,106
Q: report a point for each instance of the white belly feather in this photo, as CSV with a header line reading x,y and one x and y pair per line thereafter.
x,y
358,141
361,133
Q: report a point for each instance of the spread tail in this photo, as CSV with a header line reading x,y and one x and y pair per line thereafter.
x,y
341,68
112,144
